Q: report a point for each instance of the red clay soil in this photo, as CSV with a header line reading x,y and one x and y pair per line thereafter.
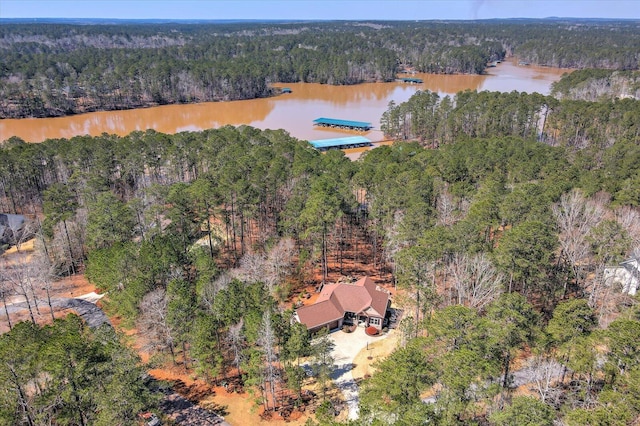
x,y
356,263
230,400
173,373
73,286
305,291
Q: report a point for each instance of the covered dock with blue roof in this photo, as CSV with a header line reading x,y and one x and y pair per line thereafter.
x,y
411,80
341,143
343,124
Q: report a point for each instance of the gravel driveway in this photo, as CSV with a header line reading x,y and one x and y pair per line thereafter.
x,y
347,346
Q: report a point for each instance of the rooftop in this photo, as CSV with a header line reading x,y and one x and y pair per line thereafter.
x,y
361,297
323,121
346,142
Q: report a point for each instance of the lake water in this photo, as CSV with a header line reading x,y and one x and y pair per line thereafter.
x,y
293,112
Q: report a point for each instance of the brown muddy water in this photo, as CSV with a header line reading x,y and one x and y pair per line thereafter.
x,y
293,112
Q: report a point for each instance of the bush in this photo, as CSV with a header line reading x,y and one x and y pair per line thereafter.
x,y
371,331
326,412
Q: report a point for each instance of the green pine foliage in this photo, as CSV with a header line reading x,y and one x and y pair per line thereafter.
x,y
66,373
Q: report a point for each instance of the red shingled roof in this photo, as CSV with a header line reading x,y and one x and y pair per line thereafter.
x,y
318,314
361,297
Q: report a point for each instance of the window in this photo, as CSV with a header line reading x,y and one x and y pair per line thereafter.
x,y
374,321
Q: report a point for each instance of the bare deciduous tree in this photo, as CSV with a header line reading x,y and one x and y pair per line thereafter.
x,y
446,208
18,275
575,217
23,234
5,293
65,248
251,269
268,269
209,291
235,337
44,276
543,373
394,243
267,342
154,324
280,256
605,294
476,280
629,219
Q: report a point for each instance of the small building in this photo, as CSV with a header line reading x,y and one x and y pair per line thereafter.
x,y
362,303
627,274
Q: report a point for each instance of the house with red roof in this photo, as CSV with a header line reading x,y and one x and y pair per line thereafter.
x,y
361,302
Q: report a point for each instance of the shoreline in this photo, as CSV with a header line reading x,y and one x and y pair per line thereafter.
x,y
276,85
293,112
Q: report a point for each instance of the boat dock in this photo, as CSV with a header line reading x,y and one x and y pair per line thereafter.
x,y
343,124
341,143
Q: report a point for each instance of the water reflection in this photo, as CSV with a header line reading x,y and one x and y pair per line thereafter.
x,y
293,112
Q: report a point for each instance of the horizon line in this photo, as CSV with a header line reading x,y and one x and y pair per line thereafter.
x,y
311,19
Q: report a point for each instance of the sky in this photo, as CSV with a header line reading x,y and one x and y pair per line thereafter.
x,y
319,9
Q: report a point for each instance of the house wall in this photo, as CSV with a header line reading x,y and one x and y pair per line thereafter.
x,y
331,326
620,275
376,322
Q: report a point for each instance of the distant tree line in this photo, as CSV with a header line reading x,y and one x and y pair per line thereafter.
x,y
61,69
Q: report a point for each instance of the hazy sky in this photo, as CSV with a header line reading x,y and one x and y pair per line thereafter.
x,y
319,9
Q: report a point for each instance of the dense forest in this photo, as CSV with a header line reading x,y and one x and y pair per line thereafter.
x,y
494,216
67,373
499,244
56,69
572,123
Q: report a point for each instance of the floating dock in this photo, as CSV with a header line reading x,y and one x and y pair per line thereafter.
x,y
343,124
341,143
